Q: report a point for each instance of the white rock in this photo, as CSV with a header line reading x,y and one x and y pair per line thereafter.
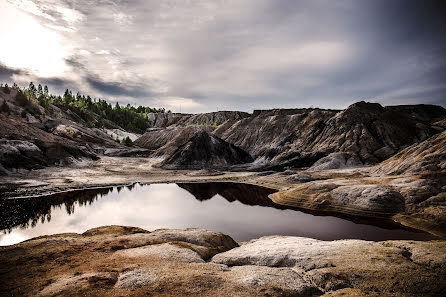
x,y
165,251
136,279
283,278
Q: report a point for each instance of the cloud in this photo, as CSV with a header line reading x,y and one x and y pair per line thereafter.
x,y
123,19
31,7
7,73
177,103
239,54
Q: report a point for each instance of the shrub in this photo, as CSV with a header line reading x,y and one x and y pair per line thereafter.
x,y
6,89
99,123
4,107
127,141
21,99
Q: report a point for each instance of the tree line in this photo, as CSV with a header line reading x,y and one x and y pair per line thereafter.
x,y
128,117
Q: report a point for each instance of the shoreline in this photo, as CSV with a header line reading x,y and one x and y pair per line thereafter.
x,y
119,171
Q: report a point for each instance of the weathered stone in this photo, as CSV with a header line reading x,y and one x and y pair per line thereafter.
x,y
126,261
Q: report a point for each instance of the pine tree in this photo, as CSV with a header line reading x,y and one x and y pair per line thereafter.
x,y
127,141
39,91
32,89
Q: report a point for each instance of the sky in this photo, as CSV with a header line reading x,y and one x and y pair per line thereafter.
x,y
201,56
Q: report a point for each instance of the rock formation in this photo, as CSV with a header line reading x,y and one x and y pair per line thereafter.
x,y
369,132
56,136
126,261
163,120
205,150
165,141
428,156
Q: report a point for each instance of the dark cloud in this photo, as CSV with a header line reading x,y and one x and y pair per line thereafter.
x,y
6,73
117,88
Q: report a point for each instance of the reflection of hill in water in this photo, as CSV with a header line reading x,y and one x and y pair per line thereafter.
x,y
27,212
244,193
257,195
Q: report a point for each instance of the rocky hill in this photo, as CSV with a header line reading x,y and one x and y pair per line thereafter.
x,y
32,136
205,150
165,141
163,120
362,134
369,131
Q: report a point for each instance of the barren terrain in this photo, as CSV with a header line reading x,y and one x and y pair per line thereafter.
x,y
367,161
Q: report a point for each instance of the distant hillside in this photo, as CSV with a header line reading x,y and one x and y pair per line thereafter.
x,y
93,111
364,133
40,130
163,120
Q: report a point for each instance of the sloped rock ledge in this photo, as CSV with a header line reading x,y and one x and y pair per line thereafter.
x,y
127,261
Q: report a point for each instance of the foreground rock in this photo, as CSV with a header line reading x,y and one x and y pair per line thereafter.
x,y
205,150
397,268
126,261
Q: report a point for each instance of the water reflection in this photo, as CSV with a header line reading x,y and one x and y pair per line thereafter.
x,y
240,210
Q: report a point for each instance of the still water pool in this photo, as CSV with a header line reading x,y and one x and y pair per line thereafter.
x,y
240,210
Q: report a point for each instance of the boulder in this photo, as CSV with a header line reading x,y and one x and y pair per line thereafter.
x,y
334,265
337,161
127,261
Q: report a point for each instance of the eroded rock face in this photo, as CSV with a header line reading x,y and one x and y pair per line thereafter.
x,y
368,200
334,265
165,141
127,261
367,132
28,155
163,120
204,150
427,156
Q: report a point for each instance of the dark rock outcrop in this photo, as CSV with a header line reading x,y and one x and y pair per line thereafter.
x,y
165,141
423,112
28,147
205,150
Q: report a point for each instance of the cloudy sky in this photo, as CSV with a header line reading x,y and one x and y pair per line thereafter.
x,y
229,54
